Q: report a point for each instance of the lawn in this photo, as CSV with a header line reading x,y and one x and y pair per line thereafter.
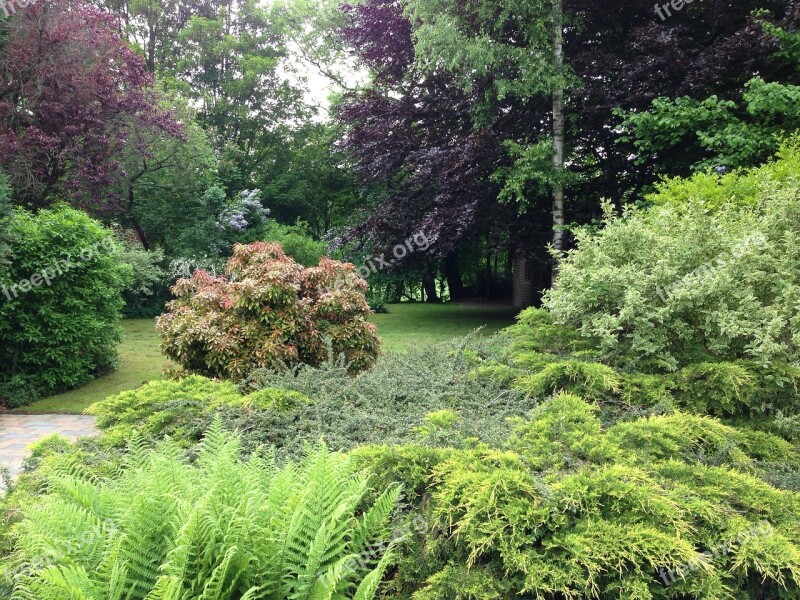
x,y
405,326
140,361
408,325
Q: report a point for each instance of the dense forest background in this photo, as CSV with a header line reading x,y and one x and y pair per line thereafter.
x,y
489,128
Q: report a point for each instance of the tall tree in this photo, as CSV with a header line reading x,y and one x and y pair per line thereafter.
x,y
740,128
230,59
559,126
308,179
626,56
231,55
70,90
426,166
516,46
164,176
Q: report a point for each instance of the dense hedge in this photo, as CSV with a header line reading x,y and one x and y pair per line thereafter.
x,y
618,495
545,358
59,303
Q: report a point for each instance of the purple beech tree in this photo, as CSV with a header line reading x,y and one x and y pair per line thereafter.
x,y
446,147
71,92
416,146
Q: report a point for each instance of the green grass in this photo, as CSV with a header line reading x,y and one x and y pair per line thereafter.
x,y
405,326
140,361
408,325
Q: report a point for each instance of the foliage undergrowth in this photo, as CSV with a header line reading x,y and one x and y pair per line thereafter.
x,y
289,409
217,528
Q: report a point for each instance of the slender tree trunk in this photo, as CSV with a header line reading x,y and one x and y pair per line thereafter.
x,y
558,129
399,291
134,222
452,272
151,49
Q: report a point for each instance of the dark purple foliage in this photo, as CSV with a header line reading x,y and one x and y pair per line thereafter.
x,y
428,150
70,93
415,143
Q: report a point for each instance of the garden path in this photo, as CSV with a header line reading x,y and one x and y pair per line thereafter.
x,y
18,432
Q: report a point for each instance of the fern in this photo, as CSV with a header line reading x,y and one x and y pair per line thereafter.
x,y
220,528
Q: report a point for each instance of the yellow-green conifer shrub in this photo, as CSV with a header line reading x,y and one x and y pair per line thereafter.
x,y
663,507
180,409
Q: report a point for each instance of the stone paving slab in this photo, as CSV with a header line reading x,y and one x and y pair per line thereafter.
x,y
18,432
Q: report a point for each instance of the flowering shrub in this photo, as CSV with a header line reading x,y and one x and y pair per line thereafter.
x,y
244,211
269,311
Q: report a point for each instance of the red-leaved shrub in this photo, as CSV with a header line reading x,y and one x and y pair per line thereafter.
x,y
267,312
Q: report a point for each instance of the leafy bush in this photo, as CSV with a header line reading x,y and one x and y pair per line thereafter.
x,y
712,131
680,283
269,312
295,240
146,292
218,529
183,409
542,358
218,222
536,331
715,388
662,507
59,301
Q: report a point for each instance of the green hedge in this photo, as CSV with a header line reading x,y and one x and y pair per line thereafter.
x,y
59,303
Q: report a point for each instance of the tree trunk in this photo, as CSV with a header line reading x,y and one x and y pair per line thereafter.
x,y
558,130
151,49
399,291
429,286
134,221
452,272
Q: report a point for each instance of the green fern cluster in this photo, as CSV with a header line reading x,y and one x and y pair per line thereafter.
x,y
219,528
572,509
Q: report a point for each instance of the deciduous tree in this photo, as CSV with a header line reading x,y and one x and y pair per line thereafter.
x,y
70,90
